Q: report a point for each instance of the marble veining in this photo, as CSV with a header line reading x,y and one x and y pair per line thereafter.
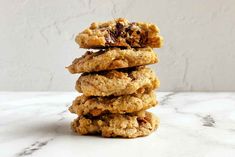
x,y
34,147
37,124
167,97
208,121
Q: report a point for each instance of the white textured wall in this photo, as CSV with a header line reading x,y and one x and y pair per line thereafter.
x,y
37,41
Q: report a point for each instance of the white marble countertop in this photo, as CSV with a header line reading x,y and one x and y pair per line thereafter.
x,y
192,125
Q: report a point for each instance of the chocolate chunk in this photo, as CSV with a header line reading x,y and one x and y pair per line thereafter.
x,y
129,30
110,38
142,120
130,41
143,39
119,26
119,31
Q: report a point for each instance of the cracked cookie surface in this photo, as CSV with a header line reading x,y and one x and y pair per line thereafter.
x,y
113,58
96,106
117,82
120,33
117,125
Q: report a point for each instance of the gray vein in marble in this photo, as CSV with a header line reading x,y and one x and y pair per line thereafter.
x,y
61,114
232,130
186,113
33,148
208,121
166,98
195,123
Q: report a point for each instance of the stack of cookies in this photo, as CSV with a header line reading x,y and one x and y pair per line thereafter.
x,y
117,87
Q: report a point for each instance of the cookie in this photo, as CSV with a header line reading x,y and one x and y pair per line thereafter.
x,y
120,33
117,82
114,58
97,106
117,125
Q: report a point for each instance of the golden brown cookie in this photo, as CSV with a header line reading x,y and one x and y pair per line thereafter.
x,y
120,33
117,125
114,58
97,106
117,82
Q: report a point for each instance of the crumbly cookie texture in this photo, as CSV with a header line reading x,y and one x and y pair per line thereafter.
x,y
113,58
117,125
96,106
120,33
117,82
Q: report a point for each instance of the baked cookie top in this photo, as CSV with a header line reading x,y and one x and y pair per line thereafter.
x,y
117,82
120,33
113,58
96,106
117,125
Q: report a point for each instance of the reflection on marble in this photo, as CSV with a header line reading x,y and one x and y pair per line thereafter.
x,y
192,124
